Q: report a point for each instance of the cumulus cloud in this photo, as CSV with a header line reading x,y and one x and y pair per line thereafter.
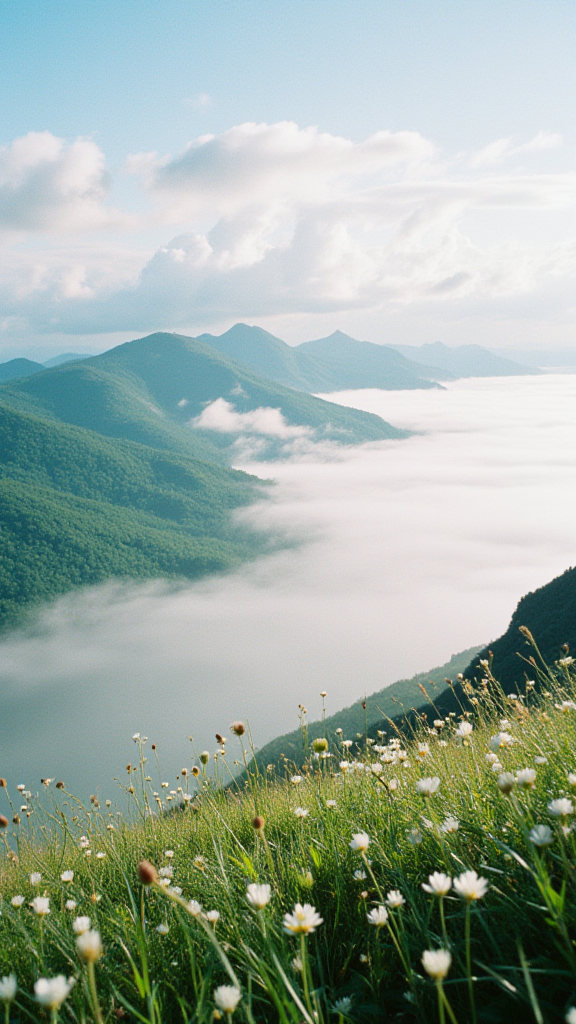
x,y
278,220
49,185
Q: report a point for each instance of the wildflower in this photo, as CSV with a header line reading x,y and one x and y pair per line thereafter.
x,y
89,946
162,929
303,920
364,958
258,895
360,876
100,855
213,916
572,780
561,808
297,964
343,1006
570,1017
199,862
464,730
35,878
414,836
194,908
70,904
566,705
81,925
436,963
296,779
84,842
166,872
470,886
526,778
566,661
347,743
17,901
450,825
541,835
8,987
227,997
438,884
360,841
378,917
501,739
438,723
204,757
52,992
491,757
320,745
41,905
332,803
426,787
506,782
67,876
423,749
540,760
176,890
395,899
301,812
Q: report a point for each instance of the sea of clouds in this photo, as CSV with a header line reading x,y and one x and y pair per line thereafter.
x,y
401,553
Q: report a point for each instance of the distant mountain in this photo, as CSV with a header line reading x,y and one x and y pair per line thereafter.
x,y
464,361
77,508
542,358
354,720
16,368
66,357
153,389
336,363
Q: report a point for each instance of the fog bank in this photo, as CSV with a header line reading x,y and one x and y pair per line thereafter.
x,y
408,552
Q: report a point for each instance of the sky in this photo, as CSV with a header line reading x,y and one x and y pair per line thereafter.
x,y
407,552
401,170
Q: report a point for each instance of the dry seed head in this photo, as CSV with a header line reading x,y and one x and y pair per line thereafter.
x,y
147,872
3,783
258,823
238,728
3,821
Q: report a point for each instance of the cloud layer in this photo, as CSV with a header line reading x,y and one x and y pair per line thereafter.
x,y
411,550
276,220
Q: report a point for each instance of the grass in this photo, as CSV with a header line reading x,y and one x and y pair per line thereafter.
x,y
366,837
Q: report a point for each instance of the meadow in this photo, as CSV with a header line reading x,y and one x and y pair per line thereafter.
x,y
422,877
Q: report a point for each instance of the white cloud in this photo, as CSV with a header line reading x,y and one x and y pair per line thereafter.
x,y
222,416
48,185
275,220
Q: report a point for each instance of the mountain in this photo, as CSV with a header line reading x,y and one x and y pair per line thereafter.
x,y
66,357
464,361
77,508
16,368
543,358
178,394
550,615
356,719
330,364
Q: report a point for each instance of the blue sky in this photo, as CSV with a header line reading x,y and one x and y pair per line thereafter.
x,y
478,101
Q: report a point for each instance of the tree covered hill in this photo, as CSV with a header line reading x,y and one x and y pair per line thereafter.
x,y
149,390
15,368
77,508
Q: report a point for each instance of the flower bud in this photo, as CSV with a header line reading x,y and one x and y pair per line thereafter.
x,y
147,873
3,783
239,728
258,822
319,745
59,785
204,757
3,821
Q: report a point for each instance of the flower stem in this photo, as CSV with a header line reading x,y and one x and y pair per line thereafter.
x,y
469,964
304,959
94,994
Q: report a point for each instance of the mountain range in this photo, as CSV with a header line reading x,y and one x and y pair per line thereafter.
x,y
464,361
115,466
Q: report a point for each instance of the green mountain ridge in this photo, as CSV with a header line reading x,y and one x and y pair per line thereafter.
x,y
16,368
77,508
336,363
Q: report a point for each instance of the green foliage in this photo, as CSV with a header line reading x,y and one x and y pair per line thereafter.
x,y
512,943
77,508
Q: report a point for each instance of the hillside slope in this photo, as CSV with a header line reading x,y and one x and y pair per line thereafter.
x,y
15,368
330,364
151,390
77,508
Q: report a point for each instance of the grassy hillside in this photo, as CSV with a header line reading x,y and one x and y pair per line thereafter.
x,y
148,390
550,614
364,717
331,364
424,881
77,508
